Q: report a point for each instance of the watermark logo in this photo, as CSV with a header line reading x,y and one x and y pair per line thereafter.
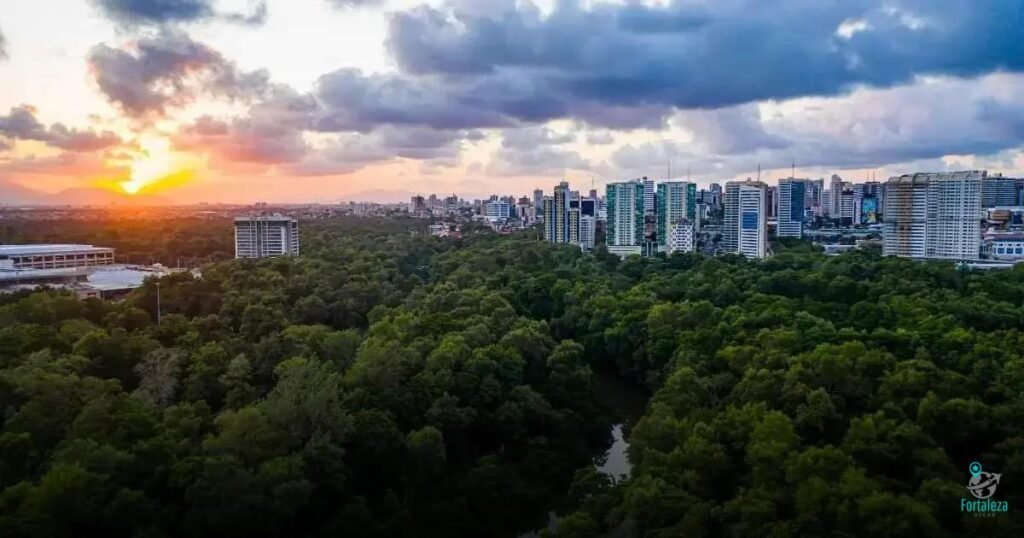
x,y
982,485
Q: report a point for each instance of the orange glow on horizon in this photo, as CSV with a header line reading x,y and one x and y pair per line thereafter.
x,y
159,168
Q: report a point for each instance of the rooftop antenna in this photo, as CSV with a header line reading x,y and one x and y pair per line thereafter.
x,y
759,171
793,174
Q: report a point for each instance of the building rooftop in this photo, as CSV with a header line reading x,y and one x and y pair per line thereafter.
x,y
275,217
38,249
1005,236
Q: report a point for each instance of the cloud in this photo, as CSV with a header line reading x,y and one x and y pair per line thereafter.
x,y
354,101
168,69
82,165
350,152
729,131
21,124
269,133
530,138
708,55
3,46
355,3
911,125
161,12
535,151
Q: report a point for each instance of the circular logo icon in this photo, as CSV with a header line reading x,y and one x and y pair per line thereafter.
x,y
982,484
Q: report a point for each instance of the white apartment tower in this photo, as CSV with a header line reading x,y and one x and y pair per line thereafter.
x,y
752,236
266,236
745,227
933,216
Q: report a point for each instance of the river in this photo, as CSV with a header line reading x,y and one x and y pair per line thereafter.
x,y
626,403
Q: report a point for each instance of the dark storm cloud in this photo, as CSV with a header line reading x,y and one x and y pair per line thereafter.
x,y
354,101
710,55
168,69
160,12
155,11
21,124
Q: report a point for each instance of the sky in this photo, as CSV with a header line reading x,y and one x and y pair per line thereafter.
x,y
326,100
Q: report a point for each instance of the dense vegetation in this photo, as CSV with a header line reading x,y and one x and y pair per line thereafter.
x,y
389,384
145,238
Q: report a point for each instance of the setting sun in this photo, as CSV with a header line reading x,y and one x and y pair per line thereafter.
x,y
159,167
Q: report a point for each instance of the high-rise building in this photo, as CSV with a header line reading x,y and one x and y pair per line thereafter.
x,y
846,206
998,191
538,203
676,200
625,208
731,219
649,196
266,236
417,204
771,202
835,201
865,202
574,224
744,229
814,201
561,215
588,231
934,216
753,236
548,205
792,197
588,207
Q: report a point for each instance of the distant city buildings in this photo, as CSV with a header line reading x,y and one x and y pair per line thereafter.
x,y
266,236
933,216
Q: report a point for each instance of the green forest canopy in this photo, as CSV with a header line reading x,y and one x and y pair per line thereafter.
x,y
395,384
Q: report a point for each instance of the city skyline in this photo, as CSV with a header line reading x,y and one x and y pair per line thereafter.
x,y
229,101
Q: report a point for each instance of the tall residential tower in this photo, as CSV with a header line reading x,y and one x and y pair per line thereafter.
x,y
266,236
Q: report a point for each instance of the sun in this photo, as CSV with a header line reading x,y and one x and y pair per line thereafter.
x,y
158,167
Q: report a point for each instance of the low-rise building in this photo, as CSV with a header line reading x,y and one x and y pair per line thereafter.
x,y
1004,246
23,257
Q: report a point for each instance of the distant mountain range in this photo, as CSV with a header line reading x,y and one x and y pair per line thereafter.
x,y
12,194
